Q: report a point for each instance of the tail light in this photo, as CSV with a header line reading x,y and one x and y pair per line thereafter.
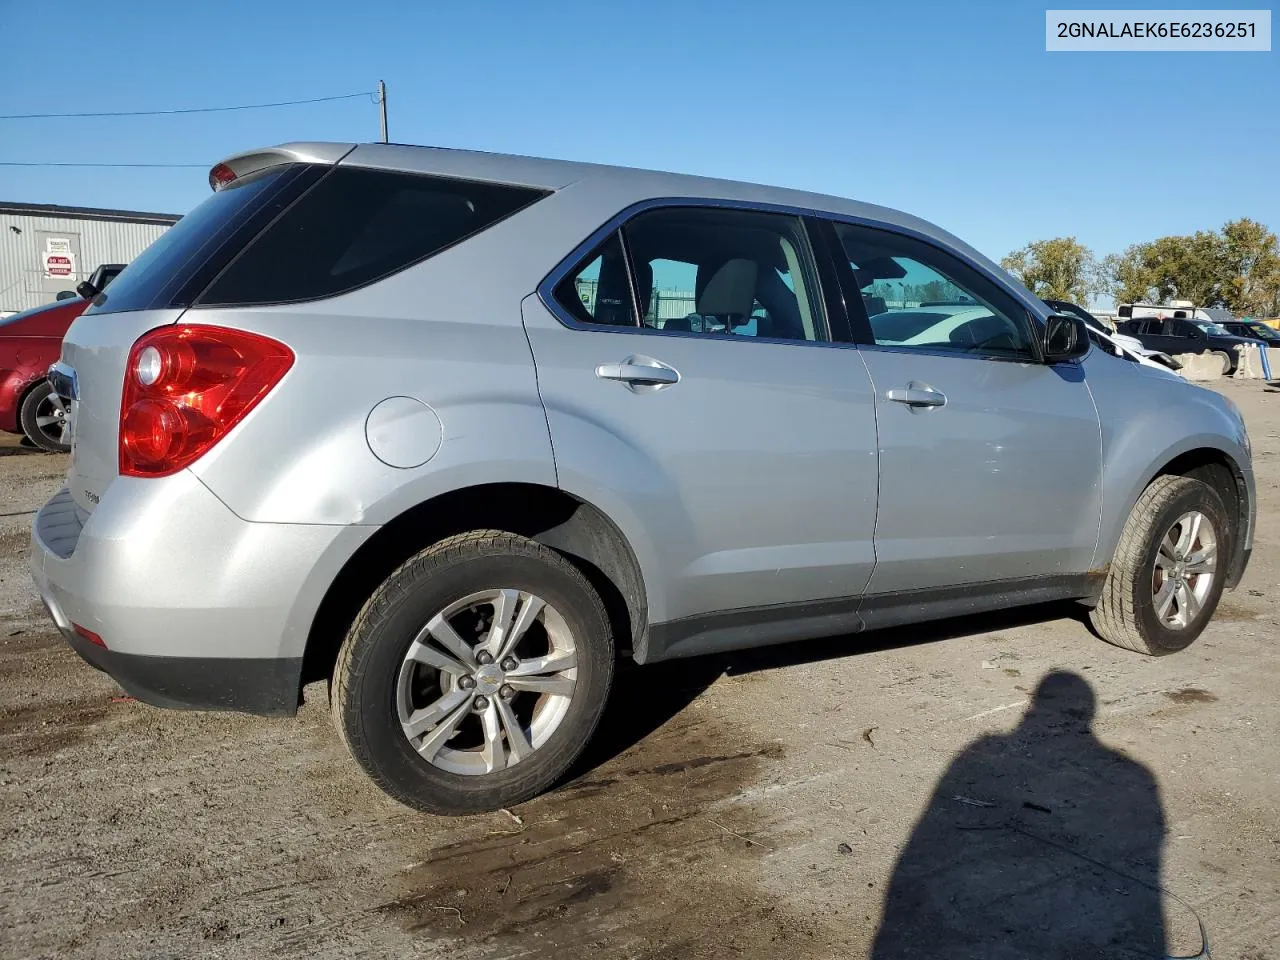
x,y
184,389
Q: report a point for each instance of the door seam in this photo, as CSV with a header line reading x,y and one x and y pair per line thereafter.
x,y
875,524
537,386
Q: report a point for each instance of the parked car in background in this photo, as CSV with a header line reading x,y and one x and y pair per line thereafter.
x,y
1253,330
1126,343
30,342
521,477
1179,335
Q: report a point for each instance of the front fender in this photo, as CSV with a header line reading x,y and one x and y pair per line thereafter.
x,y
13,385
1150,419
23,363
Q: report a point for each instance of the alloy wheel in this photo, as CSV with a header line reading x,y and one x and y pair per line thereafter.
x,y
486,681
1185,567
51,419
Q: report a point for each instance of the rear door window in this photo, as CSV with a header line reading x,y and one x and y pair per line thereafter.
x,y
359,225
599,292
728,272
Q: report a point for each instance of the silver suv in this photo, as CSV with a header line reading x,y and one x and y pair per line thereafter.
x,y
456,431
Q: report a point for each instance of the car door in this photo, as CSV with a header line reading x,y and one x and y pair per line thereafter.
x,y
1186,337
1147,332
990,461
717,424
1157,335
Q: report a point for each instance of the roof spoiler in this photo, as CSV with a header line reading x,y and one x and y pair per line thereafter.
x,y
239,165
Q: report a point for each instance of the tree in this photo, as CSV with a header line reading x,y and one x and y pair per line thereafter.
x,y
1125,276
1250,269
1168,268
1057,269
1237,267
1186,268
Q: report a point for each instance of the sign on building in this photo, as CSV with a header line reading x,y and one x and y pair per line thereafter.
x,y
59,258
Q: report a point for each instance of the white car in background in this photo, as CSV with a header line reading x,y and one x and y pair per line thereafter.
x,y
1123,342
949,324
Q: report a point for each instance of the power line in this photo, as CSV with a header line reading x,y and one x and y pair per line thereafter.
x,y
49,163
159,113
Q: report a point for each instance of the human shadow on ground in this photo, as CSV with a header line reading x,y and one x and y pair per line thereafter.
x,y
1038,843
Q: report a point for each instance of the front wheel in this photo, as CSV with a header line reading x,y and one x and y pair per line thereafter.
x,y
475,675
1167,575
43,418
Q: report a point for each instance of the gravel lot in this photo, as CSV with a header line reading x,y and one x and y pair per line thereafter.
x,y
759,805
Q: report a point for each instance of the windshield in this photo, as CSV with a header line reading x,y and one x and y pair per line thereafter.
x,y
1212,328
1262,331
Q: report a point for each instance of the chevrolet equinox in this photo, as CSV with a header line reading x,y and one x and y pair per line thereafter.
x,y
455,431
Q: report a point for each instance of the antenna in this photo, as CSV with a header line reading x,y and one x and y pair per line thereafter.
x,y
382,108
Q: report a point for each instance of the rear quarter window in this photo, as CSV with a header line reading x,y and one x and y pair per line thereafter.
x,y
357,226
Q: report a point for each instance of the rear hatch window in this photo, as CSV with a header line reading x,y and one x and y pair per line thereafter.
x,y
356,226
301,232
179,265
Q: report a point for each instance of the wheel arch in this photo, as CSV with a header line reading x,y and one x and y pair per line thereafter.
x,y
20,397
1211,463
573,527
1223,473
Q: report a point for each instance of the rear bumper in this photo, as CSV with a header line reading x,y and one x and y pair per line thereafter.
x,y
268,687
197,607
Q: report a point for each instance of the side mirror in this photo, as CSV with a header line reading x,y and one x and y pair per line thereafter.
x,y
65,295
1065,338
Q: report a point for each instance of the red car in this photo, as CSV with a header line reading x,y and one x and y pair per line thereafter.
x,y
29,342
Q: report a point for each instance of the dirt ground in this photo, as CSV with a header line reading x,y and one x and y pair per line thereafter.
x,y
927,792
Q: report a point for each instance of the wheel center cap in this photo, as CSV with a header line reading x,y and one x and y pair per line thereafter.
x,y
488,679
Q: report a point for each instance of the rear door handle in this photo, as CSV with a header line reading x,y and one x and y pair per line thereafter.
x,y
639,371
918,395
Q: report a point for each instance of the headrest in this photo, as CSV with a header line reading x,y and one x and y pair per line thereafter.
x,y
874,305
644,285
730,291
613,294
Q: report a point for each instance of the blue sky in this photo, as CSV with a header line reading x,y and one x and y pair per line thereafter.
x,y
953,111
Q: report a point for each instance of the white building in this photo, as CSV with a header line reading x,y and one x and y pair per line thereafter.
x,y
46,248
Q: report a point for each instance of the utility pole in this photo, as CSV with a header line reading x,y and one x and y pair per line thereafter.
x,y
382,107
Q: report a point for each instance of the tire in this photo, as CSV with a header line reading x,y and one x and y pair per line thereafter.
x,y
38,406
1129,613
1228,364
376,690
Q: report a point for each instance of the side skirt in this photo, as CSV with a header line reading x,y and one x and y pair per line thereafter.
x,y
782,623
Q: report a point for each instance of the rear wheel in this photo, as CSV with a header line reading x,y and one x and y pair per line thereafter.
x,y
1228,365
1167,575
43,418
475,675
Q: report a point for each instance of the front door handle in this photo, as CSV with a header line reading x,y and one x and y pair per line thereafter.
x,y
918,395
637,371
